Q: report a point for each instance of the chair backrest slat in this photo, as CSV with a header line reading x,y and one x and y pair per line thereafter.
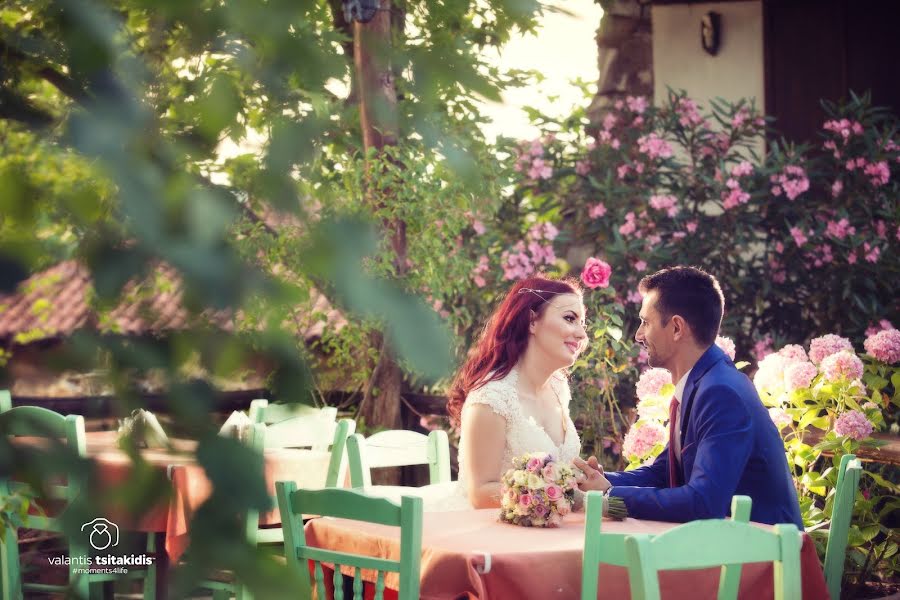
x,y
678,547
609,547
398,448
379,586
261,411
849,473
352,504
357,584
338,581
320,581
346,504
5,401
332,556
714,542
337,464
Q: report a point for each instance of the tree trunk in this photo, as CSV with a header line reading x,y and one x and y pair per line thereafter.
x,y
624,56
378,119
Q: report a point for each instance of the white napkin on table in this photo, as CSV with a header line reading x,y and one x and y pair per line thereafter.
x,y
144,428
237,426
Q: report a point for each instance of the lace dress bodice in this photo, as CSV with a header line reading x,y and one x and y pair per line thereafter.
x,y
523,433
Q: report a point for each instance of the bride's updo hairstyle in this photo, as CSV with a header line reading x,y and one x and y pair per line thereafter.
x,y
505,337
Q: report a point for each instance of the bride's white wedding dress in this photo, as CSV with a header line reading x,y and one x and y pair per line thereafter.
x,y
523,435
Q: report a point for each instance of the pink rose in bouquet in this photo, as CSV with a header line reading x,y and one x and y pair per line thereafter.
x,y
537,492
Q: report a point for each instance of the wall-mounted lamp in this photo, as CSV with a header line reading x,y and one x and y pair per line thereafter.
x,y
711,32
360,10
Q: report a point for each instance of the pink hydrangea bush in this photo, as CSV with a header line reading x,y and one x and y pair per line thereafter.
x,y
884,346
854,425
828,344
843,365
644,440
727,346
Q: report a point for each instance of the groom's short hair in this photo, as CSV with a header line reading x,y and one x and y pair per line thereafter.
x,y
693,294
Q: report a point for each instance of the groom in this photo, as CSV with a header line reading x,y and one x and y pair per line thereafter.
x,y
722,442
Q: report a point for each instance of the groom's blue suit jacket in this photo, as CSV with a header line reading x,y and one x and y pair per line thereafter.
x,y
729,445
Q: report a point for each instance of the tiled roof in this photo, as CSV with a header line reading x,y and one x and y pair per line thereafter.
x,y
54,303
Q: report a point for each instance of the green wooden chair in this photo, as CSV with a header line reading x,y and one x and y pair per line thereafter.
x,y
35,421
337,470
849,473
262,411
5,401
397,448
350,504
609,548
712,542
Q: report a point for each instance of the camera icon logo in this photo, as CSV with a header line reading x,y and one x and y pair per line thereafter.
x,y
103,533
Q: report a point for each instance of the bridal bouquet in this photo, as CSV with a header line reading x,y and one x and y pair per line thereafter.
x,y
537,491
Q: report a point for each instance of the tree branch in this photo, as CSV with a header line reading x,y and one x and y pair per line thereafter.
x,y
65,84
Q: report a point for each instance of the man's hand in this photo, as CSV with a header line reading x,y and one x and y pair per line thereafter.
x,y
593,475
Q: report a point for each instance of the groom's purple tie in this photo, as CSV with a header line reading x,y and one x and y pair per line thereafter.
x,y
673,413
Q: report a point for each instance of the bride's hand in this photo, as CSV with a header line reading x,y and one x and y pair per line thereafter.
x,y
593,478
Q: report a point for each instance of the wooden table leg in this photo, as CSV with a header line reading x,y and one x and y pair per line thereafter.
x,y
162,566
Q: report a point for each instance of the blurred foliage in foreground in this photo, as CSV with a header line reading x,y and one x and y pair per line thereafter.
x,y
121,124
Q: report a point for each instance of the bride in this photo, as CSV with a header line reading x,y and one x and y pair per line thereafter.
x,y
511,396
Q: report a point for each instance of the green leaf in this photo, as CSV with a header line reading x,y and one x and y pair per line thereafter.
x,y
874,382
894,488
615,333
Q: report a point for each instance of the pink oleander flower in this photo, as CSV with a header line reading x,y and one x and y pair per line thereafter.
x,y
878,173
642,438
798,235
727,346
597,210
794,353
762,347
596,273
842,365
780,417
651,382
654,146
609,121
688,112
479,227
853,424
836,188
583,167
884,346
691,226
742,169
799,375
827,345
636,104
839,229
640,265
667,203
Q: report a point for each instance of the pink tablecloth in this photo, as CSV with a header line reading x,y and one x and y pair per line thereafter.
x,y
190,486
533,563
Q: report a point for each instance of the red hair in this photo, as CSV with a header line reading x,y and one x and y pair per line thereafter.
x,y
505,337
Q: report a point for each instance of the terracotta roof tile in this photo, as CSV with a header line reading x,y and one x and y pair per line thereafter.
x,y
54,303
